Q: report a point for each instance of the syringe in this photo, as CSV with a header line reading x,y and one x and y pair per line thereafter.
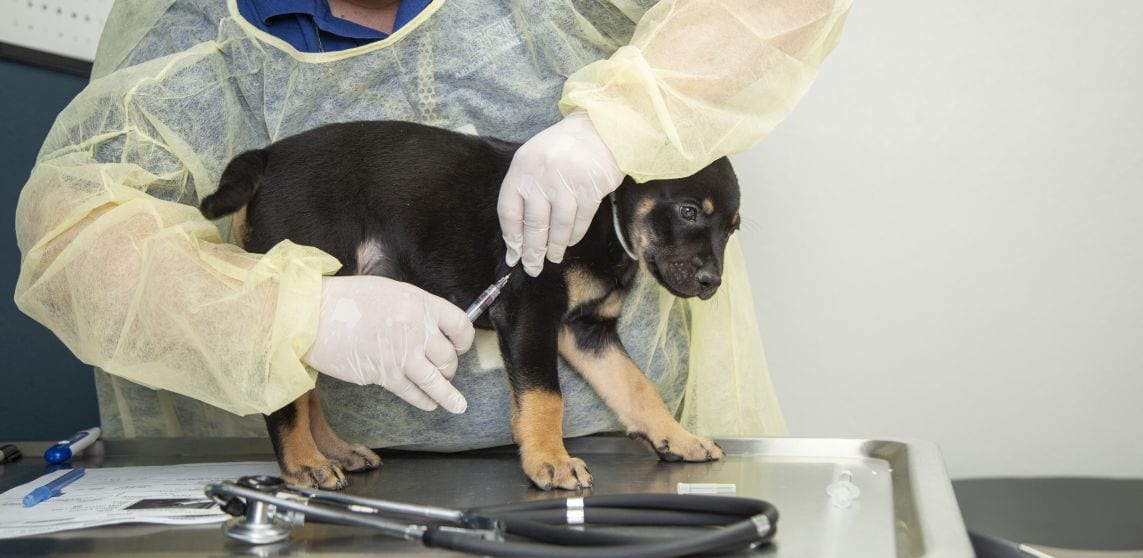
x,y
486,299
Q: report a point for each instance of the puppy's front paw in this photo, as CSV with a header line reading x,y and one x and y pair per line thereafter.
x,y
554,471
326,475
680,445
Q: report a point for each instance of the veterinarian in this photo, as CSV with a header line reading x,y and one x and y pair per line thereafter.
x,y
192,336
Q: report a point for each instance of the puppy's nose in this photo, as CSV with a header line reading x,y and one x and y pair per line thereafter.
x,y
708,279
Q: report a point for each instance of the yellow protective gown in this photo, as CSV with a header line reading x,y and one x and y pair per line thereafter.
x,y
118,263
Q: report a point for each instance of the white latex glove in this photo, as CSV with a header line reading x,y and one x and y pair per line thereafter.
x,y
552,189
374,330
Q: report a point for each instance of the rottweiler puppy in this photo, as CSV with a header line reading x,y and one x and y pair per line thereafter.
x,y
418,204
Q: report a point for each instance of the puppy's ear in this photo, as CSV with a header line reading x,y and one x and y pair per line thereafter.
x,y
646,224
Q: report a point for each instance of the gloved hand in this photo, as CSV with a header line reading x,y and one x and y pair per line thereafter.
x,y
552,189
374,330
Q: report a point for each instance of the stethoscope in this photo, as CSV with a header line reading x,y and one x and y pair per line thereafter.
x,y
266,508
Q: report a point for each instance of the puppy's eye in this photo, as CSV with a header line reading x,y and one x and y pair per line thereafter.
x,y
688,213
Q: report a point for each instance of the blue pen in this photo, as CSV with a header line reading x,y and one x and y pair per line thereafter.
x,y
65,449
53,488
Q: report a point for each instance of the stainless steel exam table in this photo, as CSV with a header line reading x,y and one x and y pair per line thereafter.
x,y
906,506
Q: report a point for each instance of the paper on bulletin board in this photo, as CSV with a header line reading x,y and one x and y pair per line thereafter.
x,y
168,494
68,28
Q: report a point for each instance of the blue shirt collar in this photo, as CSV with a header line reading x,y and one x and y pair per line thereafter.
x,y
319,12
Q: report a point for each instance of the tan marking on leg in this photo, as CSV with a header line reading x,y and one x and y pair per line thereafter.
x,y
583,287
238,227
302,463
636,401
610,307
537,430
708,206
351,457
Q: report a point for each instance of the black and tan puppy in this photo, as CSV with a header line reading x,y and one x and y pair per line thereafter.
x,y
418,204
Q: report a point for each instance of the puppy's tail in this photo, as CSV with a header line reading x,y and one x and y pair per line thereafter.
x,y
237,186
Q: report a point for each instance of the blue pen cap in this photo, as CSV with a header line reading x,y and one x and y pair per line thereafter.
x,y
38,495
53,488
58,453
66,449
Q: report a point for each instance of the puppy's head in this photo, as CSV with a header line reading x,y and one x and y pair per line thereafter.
x,y
678,228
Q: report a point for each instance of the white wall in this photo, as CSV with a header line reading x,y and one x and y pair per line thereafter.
x,y
66,27
946,237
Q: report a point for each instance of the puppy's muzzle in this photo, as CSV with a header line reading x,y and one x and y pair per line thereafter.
x,y
688,276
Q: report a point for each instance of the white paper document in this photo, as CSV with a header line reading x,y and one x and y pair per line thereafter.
x,y
168,494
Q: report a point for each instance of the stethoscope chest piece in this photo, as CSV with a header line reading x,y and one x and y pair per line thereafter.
x,y
259,525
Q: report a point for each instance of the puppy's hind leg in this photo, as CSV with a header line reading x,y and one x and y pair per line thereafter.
x,y
299,459
351,457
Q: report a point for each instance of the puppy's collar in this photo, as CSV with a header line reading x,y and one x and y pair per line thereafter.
x,y
618,229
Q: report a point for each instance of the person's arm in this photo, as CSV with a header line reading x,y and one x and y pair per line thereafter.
x,y
119,263
133,279
702,79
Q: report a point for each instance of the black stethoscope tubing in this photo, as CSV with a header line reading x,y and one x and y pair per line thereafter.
x,y
536,520
735,537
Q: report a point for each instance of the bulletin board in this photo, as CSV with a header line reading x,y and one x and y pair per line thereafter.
x,y
60,34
